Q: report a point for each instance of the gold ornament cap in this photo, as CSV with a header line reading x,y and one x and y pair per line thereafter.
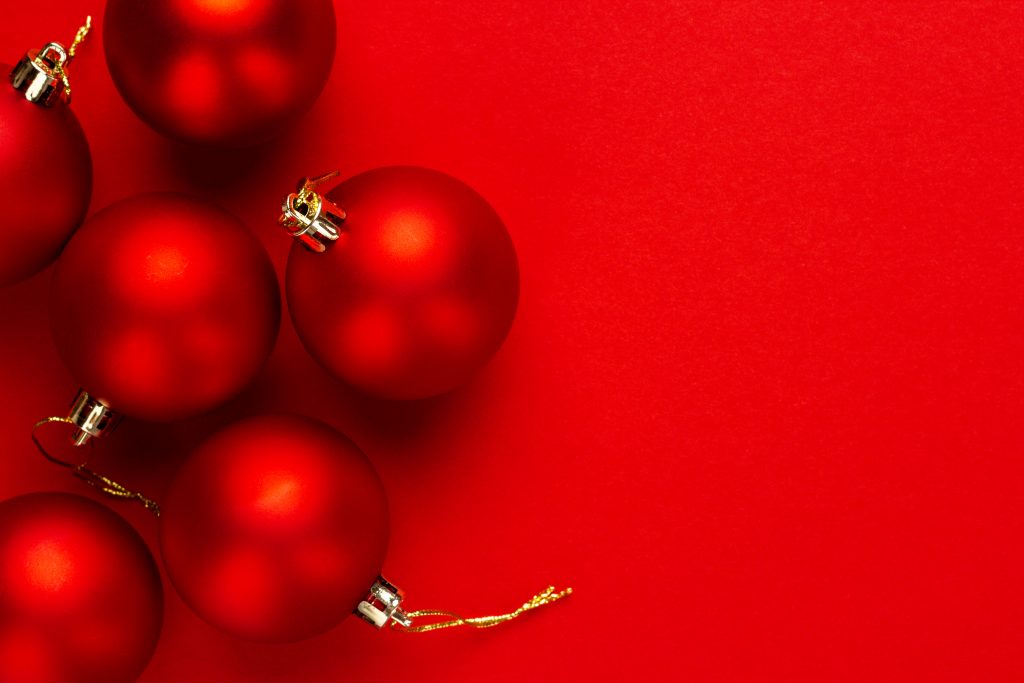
x,y
309,217
39,74
42,76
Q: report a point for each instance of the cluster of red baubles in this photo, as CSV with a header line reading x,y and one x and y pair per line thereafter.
x,y
165,306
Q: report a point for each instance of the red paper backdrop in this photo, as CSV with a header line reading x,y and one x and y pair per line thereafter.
x,y
762,403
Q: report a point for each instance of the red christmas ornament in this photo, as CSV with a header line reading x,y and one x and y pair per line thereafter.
x,y
162,307
80,596
219,72
404,281
41,146
275,528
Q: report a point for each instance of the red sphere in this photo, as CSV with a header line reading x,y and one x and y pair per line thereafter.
x,y
220,72
80,596
275,528
45,182
417,293
164,306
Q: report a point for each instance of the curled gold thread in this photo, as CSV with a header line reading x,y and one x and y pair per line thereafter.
x,y
545,597
83,31
61,69
90,477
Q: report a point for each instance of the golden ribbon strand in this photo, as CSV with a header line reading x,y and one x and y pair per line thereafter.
x,y
61,69
94,479
321,179
307,193
545,597
83,31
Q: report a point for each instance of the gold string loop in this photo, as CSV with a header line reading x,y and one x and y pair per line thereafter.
x,y
90,477
545,597
60,70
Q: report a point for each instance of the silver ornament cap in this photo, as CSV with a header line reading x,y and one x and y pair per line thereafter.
x,y
92,418
383,604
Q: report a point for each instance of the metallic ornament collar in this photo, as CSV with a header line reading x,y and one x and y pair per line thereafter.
x,y
383,604
42,74
310,217
92,418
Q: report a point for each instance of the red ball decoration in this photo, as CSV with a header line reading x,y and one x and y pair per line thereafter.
x,y
219,72
275,528
164,307
418,291
80,595
45,181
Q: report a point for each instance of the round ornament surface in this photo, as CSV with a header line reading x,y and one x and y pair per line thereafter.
x,y
45,181
164,307
80,595
417,293
220,72
275,528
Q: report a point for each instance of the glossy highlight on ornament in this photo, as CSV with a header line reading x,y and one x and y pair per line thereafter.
x,y
80,596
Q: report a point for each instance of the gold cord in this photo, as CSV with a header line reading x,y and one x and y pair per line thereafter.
x,y
83,31
94,479
313,183
545,597
307,193
61,69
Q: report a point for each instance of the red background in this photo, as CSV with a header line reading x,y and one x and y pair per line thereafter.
x,y
762,403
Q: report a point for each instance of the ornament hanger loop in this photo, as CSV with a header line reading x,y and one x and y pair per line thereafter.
x,y
311,218
53,55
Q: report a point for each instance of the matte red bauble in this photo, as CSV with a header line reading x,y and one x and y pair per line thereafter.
x,y
403,282
164,307
80,595
45,167
220,72
275,529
